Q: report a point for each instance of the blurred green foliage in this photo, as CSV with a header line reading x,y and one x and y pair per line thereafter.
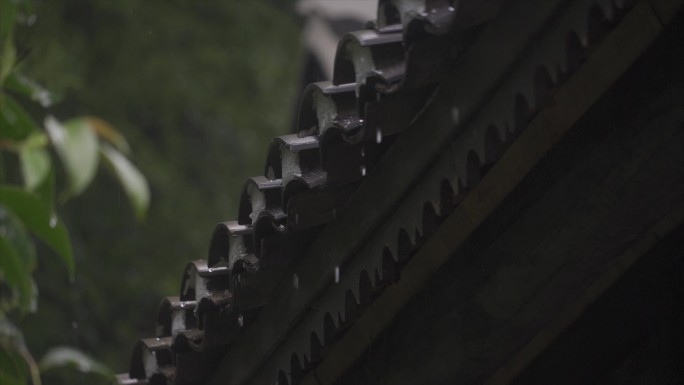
x,y
27,203
199,89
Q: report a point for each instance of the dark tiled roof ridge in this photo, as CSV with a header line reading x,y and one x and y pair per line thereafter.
x,y
345,127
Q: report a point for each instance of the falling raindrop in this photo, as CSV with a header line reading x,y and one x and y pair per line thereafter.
x,y
182,305
295,281
378,135
455,115
337,274
363,170
211,269
53,221
241,320
363,152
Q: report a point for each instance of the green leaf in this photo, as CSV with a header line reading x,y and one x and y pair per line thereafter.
x,y
13,273
38,217
108,133
35,166
12,368
35,161
7,58
15,123
8,11
133,182
64,356
29,88
77,147
46,190
14,231
15,359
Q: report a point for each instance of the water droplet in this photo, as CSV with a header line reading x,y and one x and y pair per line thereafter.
x,y
337,274
296,218
53,221
451,9
295,281
455,115
182,305
334,213
378,135
241,320
211,269
363,152
158,339
363,170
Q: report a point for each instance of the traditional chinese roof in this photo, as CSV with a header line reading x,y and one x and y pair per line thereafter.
x,y
434,114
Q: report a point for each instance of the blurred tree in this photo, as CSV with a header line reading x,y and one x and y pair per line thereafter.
x,y
199,88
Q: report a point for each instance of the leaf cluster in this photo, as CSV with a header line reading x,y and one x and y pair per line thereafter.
x,y
198,89
28,209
